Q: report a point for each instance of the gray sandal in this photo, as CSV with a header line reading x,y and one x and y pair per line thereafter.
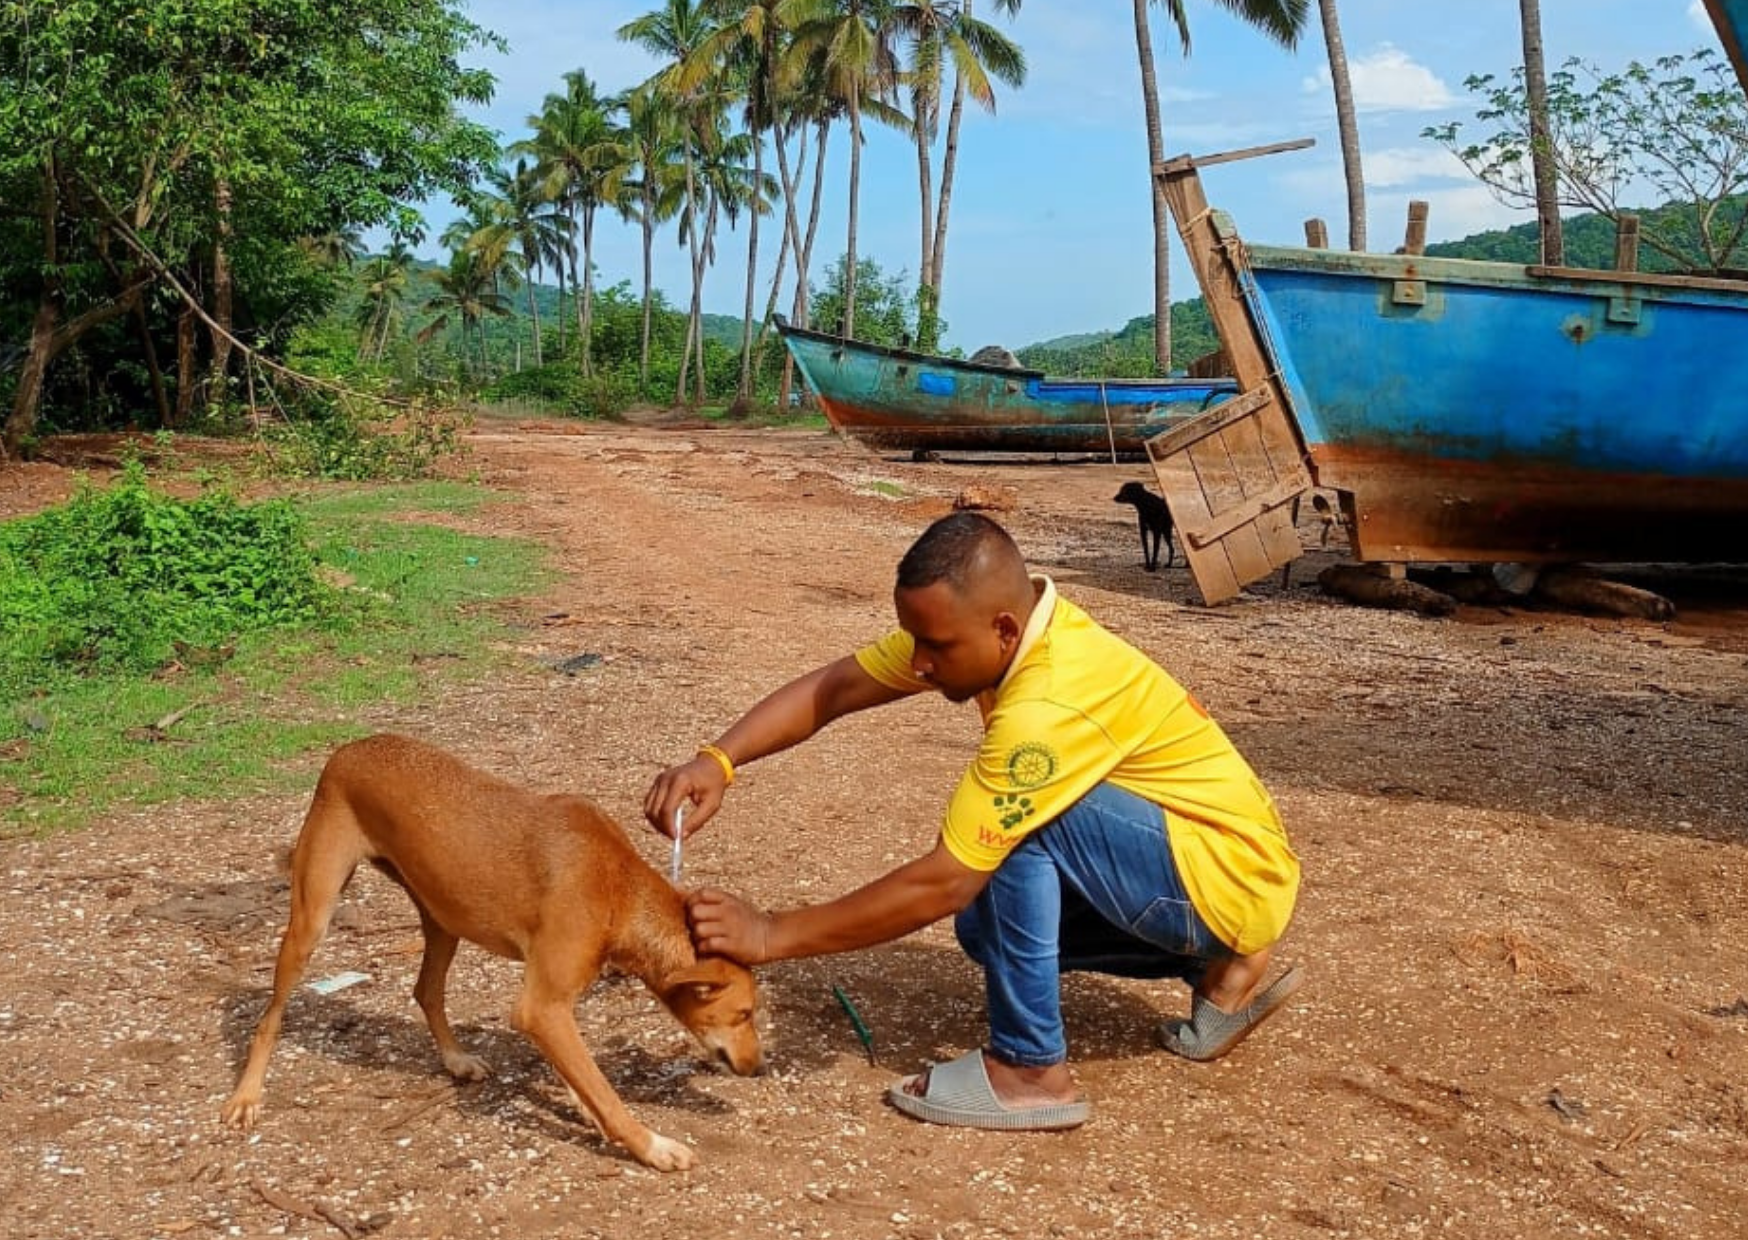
x,y
1209,1033
960,1095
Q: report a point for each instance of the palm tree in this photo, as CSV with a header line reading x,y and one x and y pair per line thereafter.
x,y
940,31
1281,20
653,135
1347,126
466,291
1535,82
748,46
523,235
582,161
380,312
852,40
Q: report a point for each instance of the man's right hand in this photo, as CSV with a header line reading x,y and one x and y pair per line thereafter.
x,y
699,783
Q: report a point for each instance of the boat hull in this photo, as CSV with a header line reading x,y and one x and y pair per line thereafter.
x,y
1489,412
895,399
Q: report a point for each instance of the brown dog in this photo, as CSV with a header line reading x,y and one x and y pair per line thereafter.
x,y
551,881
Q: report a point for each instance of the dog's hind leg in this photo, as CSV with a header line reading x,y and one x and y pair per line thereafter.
x,y
329,848
440,948
545,1013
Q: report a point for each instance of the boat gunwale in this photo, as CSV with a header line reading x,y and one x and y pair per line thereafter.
x,y
787,330
1480,272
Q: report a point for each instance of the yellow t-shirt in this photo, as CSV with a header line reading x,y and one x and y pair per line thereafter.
x,y
1080,706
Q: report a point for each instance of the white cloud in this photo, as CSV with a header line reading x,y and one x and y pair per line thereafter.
x,y
1451,213
1411,165
1696,13
1389,80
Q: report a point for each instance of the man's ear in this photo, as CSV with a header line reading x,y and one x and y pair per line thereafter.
x,y
1007,627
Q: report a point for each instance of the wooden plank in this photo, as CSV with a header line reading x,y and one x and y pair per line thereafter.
x,y
1415,242
1183,493
1585,275
1178,162
1626,243
1252,508
1219,478
1204,424
1316,234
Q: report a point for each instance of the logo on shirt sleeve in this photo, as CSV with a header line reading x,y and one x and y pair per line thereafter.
x,y
1013,809
1031,764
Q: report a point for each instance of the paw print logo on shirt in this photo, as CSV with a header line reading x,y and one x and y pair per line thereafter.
x,y
1013,809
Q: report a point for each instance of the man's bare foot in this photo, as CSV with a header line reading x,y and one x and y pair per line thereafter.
x,y
1015,1087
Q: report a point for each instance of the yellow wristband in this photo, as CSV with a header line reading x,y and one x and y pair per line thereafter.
x,y
722,760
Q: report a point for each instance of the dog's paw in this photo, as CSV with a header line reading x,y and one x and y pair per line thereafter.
x,y
240,1111
666,1154
465,1067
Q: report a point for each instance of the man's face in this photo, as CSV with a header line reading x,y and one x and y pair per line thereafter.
x,y
961,648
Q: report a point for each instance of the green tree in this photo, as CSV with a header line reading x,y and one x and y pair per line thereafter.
x,y
190,145
1674,132
851,41
467,292
582,162
889,313
942,32
382,308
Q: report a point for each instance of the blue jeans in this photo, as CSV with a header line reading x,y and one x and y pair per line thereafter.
x,y
1095,890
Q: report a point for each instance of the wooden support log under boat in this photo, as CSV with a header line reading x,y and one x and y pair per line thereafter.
x,y
1578,588
1360,583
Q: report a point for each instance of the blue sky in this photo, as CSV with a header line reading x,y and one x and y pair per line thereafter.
x,y
1051,228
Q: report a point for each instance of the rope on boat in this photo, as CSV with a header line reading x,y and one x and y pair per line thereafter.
x,y
1110,434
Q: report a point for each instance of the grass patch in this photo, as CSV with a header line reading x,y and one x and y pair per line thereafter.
x,y
413,604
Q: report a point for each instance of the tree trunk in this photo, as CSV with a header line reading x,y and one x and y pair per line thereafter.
x,y
648,285
184,367
533,320
1541,147
1161,212
586,292
926,193
223,297
848,327
1347,126
744,389
938,251
692,243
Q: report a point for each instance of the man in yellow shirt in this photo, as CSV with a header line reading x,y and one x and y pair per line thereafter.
x,y
1106,823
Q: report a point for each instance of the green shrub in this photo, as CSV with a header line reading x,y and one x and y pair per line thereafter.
x,y
357,439
115,579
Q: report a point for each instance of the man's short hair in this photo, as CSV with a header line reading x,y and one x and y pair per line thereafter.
x,y
952,549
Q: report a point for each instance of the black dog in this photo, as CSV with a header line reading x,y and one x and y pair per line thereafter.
x,y
1154,520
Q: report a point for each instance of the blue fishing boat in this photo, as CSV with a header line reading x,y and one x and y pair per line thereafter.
x,y
898,399
1463,411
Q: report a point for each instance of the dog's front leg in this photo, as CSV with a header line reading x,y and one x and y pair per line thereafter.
x,y
544,1013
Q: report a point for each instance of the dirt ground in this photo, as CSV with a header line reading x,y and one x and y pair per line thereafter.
x,y
1524,918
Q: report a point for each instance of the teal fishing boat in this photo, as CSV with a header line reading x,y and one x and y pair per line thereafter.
x,y
897,399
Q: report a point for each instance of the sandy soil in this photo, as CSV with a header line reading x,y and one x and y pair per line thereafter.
x,y
1524,921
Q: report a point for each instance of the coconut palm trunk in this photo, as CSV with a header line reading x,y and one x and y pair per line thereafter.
x,y
1161,212
1347,126
744,389
848,328
1541,147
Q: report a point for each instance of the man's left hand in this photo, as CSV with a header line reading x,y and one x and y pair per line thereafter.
x,y
725,925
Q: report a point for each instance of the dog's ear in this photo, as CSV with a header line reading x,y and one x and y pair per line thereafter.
x,y
706,979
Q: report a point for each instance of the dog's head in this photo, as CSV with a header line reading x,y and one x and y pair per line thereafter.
x,y
1131,493
715,999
